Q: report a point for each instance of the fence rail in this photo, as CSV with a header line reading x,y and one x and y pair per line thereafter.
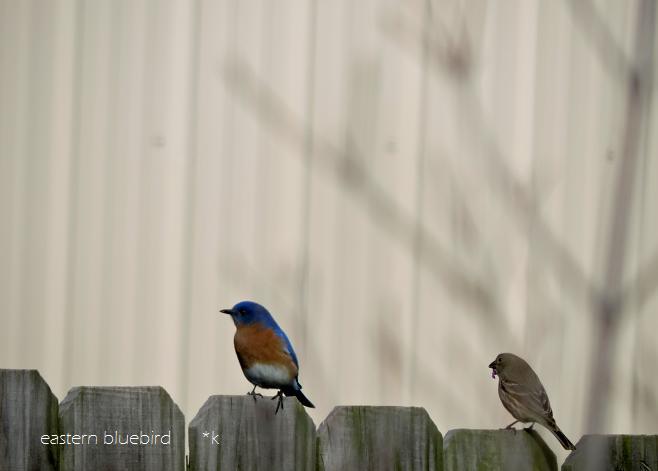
x,y
141,428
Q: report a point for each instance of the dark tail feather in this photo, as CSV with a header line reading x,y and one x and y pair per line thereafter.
x,y
562,438
303,399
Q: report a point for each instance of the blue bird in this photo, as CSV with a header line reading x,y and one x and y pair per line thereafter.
x,y
265,354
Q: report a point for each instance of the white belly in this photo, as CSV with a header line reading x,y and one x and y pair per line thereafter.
x,y
268,376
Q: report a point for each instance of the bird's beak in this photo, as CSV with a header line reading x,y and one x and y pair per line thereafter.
x,y
494,371
230,312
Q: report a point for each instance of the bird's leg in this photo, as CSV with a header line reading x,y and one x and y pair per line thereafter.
x,y
510,425
253,393
279,404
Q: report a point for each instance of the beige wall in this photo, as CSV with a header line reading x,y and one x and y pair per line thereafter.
x,y
407,208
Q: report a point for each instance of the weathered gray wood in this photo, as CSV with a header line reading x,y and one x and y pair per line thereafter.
x,y
28,410
251,436
379,438
481,450
614,452
126,410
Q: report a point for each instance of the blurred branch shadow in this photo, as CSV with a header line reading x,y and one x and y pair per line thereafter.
x,y
641,289
448,52
455,58
644,398
446,392
344,165
601,38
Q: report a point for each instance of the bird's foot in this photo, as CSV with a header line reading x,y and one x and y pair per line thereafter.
x,y
279,404
510,426
254,394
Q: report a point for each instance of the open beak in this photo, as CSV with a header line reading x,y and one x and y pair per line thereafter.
x,y
492,365
230,312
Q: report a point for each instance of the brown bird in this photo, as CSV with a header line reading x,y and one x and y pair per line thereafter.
x,y
523,395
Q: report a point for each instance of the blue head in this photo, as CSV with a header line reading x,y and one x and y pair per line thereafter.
x,y
249,312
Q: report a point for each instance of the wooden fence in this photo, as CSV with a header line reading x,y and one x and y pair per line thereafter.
x,y
141,428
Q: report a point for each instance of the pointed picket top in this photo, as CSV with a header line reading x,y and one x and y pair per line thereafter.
x,y
135,428
238,432
613,452
28,412
370,437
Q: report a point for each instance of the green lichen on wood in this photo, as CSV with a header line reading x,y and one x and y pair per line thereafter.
x,y
626,447
614,452
304,427
355,416
365,437
251,435
486,450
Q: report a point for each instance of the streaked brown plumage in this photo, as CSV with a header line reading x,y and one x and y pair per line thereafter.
x,y
524,396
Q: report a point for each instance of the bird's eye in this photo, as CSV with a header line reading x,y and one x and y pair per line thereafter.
x,y
499,360
242,312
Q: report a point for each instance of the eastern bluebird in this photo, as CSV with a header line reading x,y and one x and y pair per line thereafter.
x,y
265,354
523,395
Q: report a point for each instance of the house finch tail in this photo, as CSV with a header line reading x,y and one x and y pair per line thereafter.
x,y
562,438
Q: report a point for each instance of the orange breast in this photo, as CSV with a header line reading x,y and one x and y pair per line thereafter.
x,y
257,344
